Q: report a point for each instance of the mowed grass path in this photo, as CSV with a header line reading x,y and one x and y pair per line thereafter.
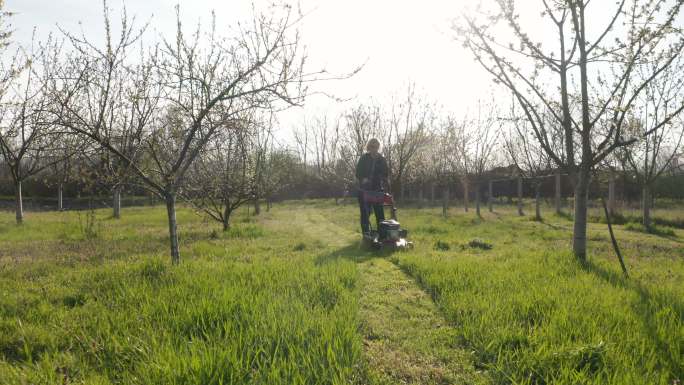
x,y
406,339
517,298
289,298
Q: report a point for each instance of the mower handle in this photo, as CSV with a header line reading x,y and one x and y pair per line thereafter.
x,y
387,200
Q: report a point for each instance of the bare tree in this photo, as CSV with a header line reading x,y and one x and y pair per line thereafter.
x,y
657,144
223,177
191,88
531,161
571,81
476,144
425,166
5,40
320,144
431,159
262,144
359,124
275,173
26,135
406,134
451,139
68,151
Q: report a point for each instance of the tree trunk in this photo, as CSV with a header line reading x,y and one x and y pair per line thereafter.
x,y
490,198
402,191
520,197
226,218
558,192
613,240
579,236
173,231
19,203
611,194
269,204
445,201
537,203
257,207
477,198
465,194
652,195
60,195
646,206
116,202
432,192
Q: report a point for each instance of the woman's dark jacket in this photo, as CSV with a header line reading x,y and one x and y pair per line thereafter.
x,y
375,169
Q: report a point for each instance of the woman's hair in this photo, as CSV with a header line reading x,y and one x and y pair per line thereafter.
x,y
373,141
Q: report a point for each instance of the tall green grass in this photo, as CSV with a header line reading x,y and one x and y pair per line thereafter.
x,y
239,310
534,315
275,300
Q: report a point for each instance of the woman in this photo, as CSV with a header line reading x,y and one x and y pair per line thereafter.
x,y
371,172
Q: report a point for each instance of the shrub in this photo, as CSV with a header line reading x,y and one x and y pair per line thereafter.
x,y
442,246
478,243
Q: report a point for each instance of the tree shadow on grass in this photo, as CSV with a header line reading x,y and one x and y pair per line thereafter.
x,y
354,252
662,233
554,226
565,215
676,223
655,231
673,238
651,302
495,214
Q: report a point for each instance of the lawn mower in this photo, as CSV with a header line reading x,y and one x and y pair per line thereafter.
x,y
389,234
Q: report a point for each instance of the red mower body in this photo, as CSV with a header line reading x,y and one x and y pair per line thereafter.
x,y
390,235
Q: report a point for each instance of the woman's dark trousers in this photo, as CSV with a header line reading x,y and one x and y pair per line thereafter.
x,y
365,209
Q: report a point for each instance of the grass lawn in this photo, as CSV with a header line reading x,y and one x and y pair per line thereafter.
x,y
289,298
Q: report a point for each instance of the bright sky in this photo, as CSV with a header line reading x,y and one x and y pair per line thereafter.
x,y
398,40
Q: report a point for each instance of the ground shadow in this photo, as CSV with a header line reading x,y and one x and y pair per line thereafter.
x,y
565,215
669,237
355,251
496,214
676,223
655,231
649,304
553,226
672,238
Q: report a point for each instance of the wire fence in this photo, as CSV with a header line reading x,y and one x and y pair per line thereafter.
x,y
554,194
